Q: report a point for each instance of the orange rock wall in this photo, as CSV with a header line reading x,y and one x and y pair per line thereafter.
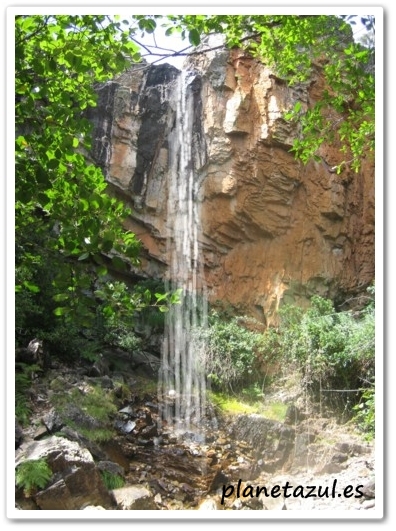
x,y
272,229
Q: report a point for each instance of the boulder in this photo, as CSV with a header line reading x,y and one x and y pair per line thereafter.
x,y
134,497
76,480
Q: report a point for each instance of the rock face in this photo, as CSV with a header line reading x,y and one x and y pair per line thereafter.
x,y
271,228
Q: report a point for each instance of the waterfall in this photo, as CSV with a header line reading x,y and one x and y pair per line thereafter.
x,y
182,386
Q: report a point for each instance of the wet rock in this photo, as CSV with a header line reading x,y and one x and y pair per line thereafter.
x,y
25,504
152,406
134,497
369,489
243,471
237,504
128,410
125,427
99,368
351,448
106,382
80,418
301,449
332,468
144,442
33,354
150,431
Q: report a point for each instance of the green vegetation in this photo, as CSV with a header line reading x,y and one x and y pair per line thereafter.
x,y
23,382
240,404
229,353
332,352
95,408
112,481
32,475
68,229
365,412
64,215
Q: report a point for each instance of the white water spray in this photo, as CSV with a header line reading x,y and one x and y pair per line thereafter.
x,y
182,386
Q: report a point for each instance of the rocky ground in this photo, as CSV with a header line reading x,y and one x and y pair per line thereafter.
x,y
225,460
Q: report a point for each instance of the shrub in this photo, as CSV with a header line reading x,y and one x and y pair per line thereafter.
x,y
32,475
229,352
334,351
118,333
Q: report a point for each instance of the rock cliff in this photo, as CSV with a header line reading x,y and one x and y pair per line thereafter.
x,y
271,230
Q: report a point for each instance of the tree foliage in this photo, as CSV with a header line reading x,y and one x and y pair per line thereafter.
x,y
69,229
63,214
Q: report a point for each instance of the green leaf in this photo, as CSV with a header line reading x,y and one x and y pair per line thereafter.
x,y
61,310
83,256
194,37
31,287
118,263
101,270
106,246
60,297
297,106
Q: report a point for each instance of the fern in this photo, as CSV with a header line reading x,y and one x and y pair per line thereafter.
x,y
32,474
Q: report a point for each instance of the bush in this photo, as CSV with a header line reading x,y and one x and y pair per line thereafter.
x,y
334,351
118,333
229,352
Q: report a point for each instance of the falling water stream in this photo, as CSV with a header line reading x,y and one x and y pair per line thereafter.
x,y
182,386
